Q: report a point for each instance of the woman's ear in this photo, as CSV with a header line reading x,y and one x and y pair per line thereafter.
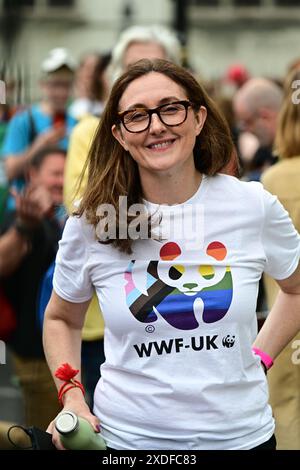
x,y
118,135
200,119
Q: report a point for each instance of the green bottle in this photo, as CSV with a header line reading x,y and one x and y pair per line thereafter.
x,y
77,434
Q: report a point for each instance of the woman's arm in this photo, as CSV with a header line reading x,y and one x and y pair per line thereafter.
x,y
62,343
283,321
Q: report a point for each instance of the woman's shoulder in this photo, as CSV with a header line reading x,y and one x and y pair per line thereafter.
x,y
237,195
232,184
77,227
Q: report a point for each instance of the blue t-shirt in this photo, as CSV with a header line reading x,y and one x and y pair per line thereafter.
x,y
19,134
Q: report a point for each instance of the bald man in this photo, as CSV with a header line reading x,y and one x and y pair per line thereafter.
x,y
256,106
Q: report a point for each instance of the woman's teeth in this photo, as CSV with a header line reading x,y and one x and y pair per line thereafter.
x,y
161,145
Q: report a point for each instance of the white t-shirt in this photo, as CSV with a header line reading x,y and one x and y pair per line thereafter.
x,y
180,318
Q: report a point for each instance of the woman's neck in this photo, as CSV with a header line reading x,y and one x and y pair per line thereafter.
x,y
170,189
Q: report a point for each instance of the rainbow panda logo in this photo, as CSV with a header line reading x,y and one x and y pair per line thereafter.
x,y
179,293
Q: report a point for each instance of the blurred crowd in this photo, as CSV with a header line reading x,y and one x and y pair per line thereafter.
x,y
43,149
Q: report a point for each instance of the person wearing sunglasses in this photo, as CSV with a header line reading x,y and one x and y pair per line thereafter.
x,y
185,368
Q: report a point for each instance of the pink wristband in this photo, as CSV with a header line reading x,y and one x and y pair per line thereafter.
x,y
264,357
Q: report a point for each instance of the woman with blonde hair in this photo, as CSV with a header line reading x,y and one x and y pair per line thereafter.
x,y
282,180
184,368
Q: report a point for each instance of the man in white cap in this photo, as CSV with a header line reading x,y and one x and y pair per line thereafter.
x,y
44,123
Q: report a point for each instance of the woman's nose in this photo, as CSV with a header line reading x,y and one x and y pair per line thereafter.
x,y
156,126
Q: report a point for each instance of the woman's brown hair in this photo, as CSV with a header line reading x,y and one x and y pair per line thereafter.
x,y
113,173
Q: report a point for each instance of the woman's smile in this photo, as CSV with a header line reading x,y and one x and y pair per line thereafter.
x,y
161,145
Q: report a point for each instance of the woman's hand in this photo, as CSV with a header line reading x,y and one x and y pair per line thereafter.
x,y
74,401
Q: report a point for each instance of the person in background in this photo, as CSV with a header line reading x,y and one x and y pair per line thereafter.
x,y
44,123
256,105
28,244
4,120
282,180
5,116
139,42
184,366
84,74
236,75
91,86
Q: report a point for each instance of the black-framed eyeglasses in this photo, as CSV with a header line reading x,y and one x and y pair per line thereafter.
x,y
170,114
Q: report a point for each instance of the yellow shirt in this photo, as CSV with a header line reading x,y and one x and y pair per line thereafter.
x,y
282,180
80,141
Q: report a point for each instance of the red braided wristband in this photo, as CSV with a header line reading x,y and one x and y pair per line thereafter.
x,y
64,389
67,373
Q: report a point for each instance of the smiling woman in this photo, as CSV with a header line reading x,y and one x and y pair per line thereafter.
x,y
156,162
179,305
172,128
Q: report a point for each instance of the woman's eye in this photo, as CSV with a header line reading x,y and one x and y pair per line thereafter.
x,y
136,117
172,109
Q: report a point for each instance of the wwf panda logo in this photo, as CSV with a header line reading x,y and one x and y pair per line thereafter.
x,y
228,341
184,293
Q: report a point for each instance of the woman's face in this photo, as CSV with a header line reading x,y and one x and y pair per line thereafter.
x,y
175,149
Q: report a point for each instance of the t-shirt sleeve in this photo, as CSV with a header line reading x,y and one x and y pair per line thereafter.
x,y
71,279
17,135
280,239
